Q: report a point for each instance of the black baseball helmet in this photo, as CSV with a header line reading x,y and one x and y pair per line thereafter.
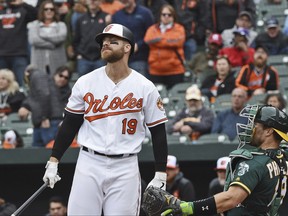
x,y
119,31
275,118
264,114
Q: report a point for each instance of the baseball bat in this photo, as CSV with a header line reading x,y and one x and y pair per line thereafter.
x,y
30,200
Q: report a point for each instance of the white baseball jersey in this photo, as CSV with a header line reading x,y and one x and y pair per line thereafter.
x,y
115,115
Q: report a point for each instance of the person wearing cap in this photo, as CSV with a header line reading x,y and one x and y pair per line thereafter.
x,y
273,38
258,77
240,53
244,20
256,180
216,185
222,82
223,14
177,184
166,56
12,139
203,62
110,110
138,19
87,52
194,119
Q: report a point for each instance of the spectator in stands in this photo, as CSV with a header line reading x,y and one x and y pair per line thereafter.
x,y
240,53
222,82
166,56
57,206
273,38
217,184
79,8
111,6
46,37
153,6
192,15
10,96
85,48
223,14
12,139
195,119
6,208
13,36
60,91
276,100
202,63
177,184
258,77
138,19
225,121
244,20
37,104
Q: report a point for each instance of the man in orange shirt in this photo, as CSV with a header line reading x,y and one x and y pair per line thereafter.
x,y
258,77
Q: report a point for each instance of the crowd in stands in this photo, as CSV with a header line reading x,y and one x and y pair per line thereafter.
x,y
215,45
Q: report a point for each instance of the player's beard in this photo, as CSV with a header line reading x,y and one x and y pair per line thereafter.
x,y
113,56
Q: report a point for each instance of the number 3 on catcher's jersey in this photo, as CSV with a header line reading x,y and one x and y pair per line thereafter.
x,y
129,126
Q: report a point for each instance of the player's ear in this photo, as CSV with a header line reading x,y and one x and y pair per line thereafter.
x,y
127,48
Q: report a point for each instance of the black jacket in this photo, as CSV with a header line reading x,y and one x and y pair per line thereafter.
x,y
87,27
226,87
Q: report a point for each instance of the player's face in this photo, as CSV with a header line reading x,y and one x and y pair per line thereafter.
x,y
257,137
113,49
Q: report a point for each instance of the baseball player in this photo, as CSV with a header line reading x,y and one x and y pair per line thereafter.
x,y
110,108
257,178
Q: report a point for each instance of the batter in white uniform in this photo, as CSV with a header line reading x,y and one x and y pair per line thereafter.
x,y
110,108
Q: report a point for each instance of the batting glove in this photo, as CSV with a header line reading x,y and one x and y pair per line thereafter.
x,y
159,180
51,173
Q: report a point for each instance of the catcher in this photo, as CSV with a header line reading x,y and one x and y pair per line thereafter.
x,y
256,180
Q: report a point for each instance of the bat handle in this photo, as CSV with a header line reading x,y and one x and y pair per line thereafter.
x,y
27,202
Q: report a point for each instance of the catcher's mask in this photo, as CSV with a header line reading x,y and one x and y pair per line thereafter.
x,y
266,115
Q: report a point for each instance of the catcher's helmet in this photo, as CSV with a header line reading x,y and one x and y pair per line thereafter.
x,y
266,115
119,31
275,118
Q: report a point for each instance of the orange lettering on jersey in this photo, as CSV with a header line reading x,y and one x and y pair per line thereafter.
x,y
125,105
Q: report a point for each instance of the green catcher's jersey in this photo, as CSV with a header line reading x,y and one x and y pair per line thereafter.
x,y
258,175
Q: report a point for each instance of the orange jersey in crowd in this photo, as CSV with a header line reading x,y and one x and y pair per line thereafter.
x,y
249,79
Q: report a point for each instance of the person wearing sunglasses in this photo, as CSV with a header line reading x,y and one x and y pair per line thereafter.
x,y
45,102
166,42
46,36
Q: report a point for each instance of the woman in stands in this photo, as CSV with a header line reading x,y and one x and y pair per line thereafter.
x,y
222,82
166,56
46,37
276,100
10,96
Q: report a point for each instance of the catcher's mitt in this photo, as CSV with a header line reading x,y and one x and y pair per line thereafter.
x,y
156,201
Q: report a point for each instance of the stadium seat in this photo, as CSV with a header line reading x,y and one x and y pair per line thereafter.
x,y
222,102
175,139
257,99
282,70
23,127
213,138
277,60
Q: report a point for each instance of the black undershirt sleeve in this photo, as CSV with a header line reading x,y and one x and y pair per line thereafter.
x,y
66,134
160,148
